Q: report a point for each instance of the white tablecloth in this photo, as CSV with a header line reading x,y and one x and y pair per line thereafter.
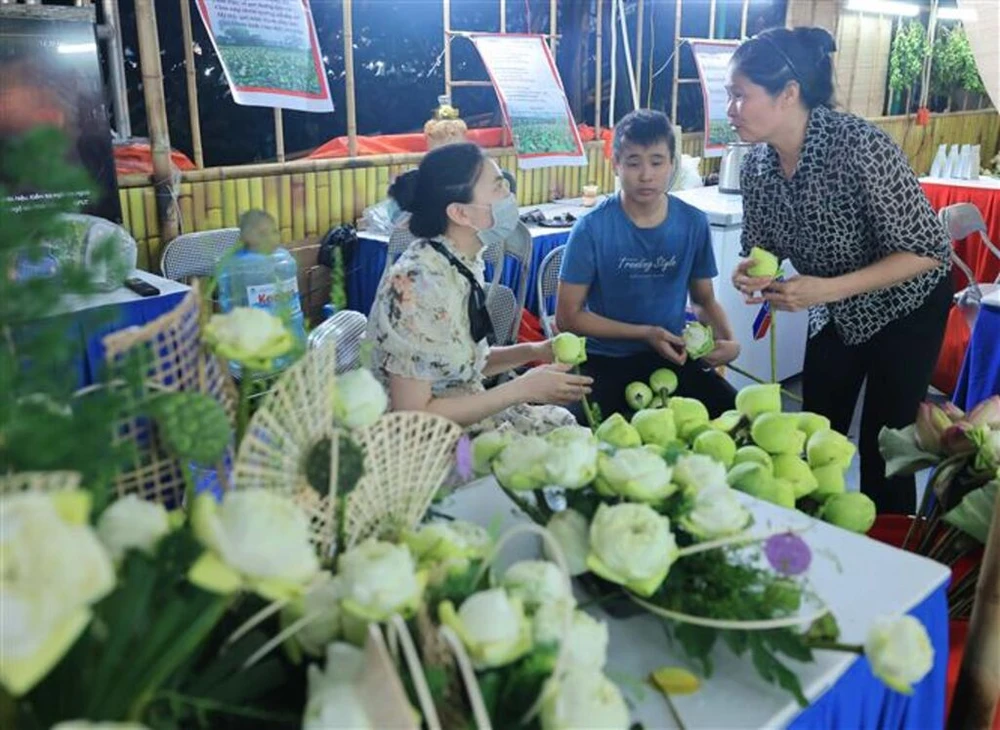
x,y
859,579
984,182
121,295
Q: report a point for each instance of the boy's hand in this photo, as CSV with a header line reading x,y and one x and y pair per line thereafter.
x,y
724,353
668,345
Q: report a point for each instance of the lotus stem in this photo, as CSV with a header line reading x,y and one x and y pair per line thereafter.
x,y
243,414
836,646
729,624
280,639
255,620
742,538
479,713
402,634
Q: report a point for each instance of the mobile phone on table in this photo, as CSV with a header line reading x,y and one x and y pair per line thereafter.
x,y
142,288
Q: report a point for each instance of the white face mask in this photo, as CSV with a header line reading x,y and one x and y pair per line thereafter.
x,y
505,220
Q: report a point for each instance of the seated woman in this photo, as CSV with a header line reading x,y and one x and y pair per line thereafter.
x,y
431,334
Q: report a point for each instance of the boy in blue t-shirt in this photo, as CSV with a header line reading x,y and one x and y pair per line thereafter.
x,y
628,269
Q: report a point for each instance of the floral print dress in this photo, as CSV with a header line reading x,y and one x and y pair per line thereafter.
x,y
419,329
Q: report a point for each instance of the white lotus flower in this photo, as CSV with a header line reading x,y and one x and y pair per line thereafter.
x,y
523,465
583,699
256,539
358,398
717,512
380,579
53,569
491,625
631,545
638,474
571,531
899,652
446,541
587,646
132,523
536,582
321,604
333,699
486,447
697,471
573,464
253,337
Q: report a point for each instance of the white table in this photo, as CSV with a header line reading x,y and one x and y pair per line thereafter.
x,y
983,182
122,295
859,579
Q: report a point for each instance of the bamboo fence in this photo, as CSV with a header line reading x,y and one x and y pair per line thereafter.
x,y
308,197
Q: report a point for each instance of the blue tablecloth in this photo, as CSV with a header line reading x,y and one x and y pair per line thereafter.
x,y
980,376
860,701
363,269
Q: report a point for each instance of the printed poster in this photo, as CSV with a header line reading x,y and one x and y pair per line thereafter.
x,y
712,59
50,74
532,98
269,51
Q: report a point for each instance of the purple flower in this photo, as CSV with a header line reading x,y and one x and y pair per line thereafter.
x,y
463,458
788,554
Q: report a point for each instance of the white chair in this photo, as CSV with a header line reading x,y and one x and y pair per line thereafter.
x,y
961,221
346,328
548,284
197,254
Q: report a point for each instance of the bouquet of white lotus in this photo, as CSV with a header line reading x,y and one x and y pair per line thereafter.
x,y
652,514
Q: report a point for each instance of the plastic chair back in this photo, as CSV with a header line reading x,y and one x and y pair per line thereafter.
x,y
548,284
197,254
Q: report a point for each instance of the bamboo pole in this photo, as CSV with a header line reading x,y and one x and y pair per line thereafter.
x,y
352,121
677,61
640,7
192,82
503,16
446,10
279,134
711,19
598,80
156,117
743,19
978,688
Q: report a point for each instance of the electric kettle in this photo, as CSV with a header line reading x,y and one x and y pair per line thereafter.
x,y
729,172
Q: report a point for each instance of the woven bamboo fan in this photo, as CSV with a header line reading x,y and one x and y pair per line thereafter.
x,y
177,362
289,447
39,481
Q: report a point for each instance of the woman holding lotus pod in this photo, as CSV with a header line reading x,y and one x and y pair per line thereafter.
x,y
836,196
431,331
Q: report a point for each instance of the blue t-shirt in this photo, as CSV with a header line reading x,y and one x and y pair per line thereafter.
x,y
638,275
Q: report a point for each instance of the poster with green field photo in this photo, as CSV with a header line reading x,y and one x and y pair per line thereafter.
x,y
532,99
712,59
269,52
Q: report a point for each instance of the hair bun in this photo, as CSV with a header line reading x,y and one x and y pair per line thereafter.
x,y
818,40
404,190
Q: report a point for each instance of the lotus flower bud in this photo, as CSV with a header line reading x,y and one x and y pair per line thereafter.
x,y
689,415
720,446
810,423
694,472
523,465
930,426
852,511
778,433
753,400
829,481
657,402
699,340
779,492
638,475
749,477
655,426
765,264
618,432
486,447
572,465
987,413
572,532
569,349
830,447
795,471
746,454
899,652
638,396
956,439
662,380
953,412
727,422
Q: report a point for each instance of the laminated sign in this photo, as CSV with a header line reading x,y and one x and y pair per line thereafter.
x,y
532,99
712,59
269,51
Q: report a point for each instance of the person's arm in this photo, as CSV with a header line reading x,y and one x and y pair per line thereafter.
x,y
710,312
503,359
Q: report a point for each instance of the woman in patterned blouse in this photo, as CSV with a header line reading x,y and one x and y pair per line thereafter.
x,y
836,196
430,329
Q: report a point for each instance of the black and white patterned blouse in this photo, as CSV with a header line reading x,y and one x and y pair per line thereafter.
x,y
852,201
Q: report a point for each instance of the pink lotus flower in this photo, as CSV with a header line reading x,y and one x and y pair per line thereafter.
x,y
932,423
987,413
953,412
955,439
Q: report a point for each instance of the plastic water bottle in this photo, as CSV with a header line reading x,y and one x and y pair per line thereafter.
x,y
264,281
